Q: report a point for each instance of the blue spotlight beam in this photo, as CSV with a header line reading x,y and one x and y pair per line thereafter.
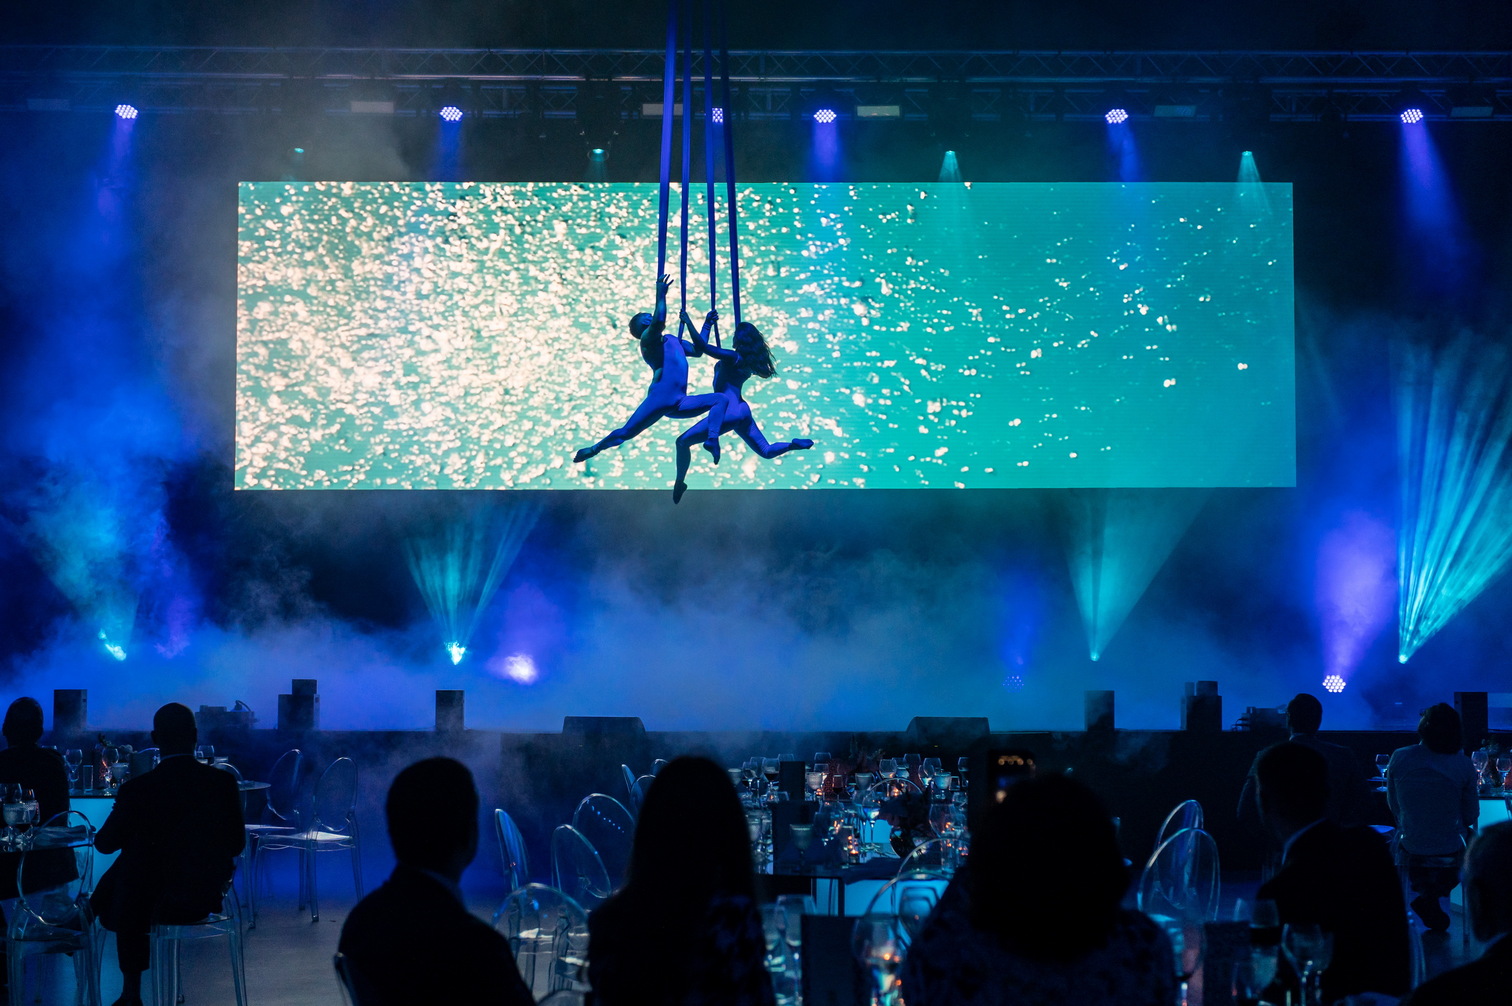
x,y
1117,540
458,570
1454,424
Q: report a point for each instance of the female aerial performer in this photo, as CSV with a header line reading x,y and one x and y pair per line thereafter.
x,y
667,356
734,366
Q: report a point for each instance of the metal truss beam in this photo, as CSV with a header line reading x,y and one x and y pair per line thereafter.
x,y
990,86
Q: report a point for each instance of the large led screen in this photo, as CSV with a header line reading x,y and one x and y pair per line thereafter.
x,y
473,336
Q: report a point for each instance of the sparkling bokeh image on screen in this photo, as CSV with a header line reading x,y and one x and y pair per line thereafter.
x,y
473,336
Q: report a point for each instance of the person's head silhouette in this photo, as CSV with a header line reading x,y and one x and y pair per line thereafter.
x,y
432,812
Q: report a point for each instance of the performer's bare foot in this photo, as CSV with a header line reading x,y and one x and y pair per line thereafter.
x,y
678,488
712,446
583,455
802,445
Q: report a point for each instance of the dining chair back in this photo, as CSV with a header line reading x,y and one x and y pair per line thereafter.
x,y
1186,814
547,931
280,813
577,869
629,777
332,827
638,793
909,897
610,829
928,855
51,914
1181,879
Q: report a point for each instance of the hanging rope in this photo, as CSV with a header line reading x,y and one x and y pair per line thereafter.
x,y
687,140
669,79
710,128
729,160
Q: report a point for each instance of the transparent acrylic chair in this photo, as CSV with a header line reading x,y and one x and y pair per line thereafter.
x,y
909,897
638,793
576,868
166,940
629,777
609,828
51,913
547,932
280,817
512,860
1180,880
332,828
1186,814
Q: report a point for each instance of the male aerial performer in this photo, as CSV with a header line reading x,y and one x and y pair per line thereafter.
x,y
667,356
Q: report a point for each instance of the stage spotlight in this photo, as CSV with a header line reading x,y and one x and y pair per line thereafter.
x,y
125,111
718,115
1014,682
114,649
1412,105
457,651
1333,684
451,113
824,116
1116,115
1412,116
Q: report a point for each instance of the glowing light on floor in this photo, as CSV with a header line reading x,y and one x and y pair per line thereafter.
x,y
124,111
1333,683
451,113
1454,428
1412,116
458,570
1116,115
1116,541
950,167
114,649
824,116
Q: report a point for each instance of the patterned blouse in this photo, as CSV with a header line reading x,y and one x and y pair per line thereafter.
x,y
952,962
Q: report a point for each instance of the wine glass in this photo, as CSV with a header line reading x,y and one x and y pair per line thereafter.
x,y
814,783
1503,766
1382,760
13,811
1479,760
776,956
803,837
31,812
888,767
108,757
791,908
878,943
73,758
1252,976
1310,950
1187,946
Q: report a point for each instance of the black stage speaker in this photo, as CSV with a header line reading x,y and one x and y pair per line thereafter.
x,y
955,733
449,710
627,727
70,711
300,710
1098,712
1202,708
1475,718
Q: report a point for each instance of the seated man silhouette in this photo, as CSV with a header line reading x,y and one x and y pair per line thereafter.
x,y
414,937
1488,901
1340,878
179,830
1348,795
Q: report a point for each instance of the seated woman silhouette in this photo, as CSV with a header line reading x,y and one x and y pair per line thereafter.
x,y
667,356
750,356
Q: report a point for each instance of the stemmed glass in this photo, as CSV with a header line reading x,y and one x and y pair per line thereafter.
x,y
803,837
13,810
1310,950
963,765
1187,946
783,983
1252,976
1503,766
73,758
108,757
878,942
888,767
1479,759
1382,760
791,908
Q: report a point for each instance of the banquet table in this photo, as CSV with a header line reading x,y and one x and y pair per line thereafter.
x,y
97,804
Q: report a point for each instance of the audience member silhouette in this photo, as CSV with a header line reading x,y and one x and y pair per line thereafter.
x,y
685,928
42,771
1486,981
1035,919
1340,878
1430,788
413,939
1348,795
179,830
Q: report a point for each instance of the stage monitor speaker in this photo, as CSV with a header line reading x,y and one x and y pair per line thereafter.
x,y
628,727
299,712
1202,708
1098,710
955,733
449,710
70,711
1475,718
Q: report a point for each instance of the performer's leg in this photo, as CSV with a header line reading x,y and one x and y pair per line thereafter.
x,y
645,414
751,434
685,442
715,406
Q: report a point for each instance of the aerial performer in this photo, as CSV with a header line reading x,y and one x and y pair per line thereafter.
x,y
667,356
733,368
